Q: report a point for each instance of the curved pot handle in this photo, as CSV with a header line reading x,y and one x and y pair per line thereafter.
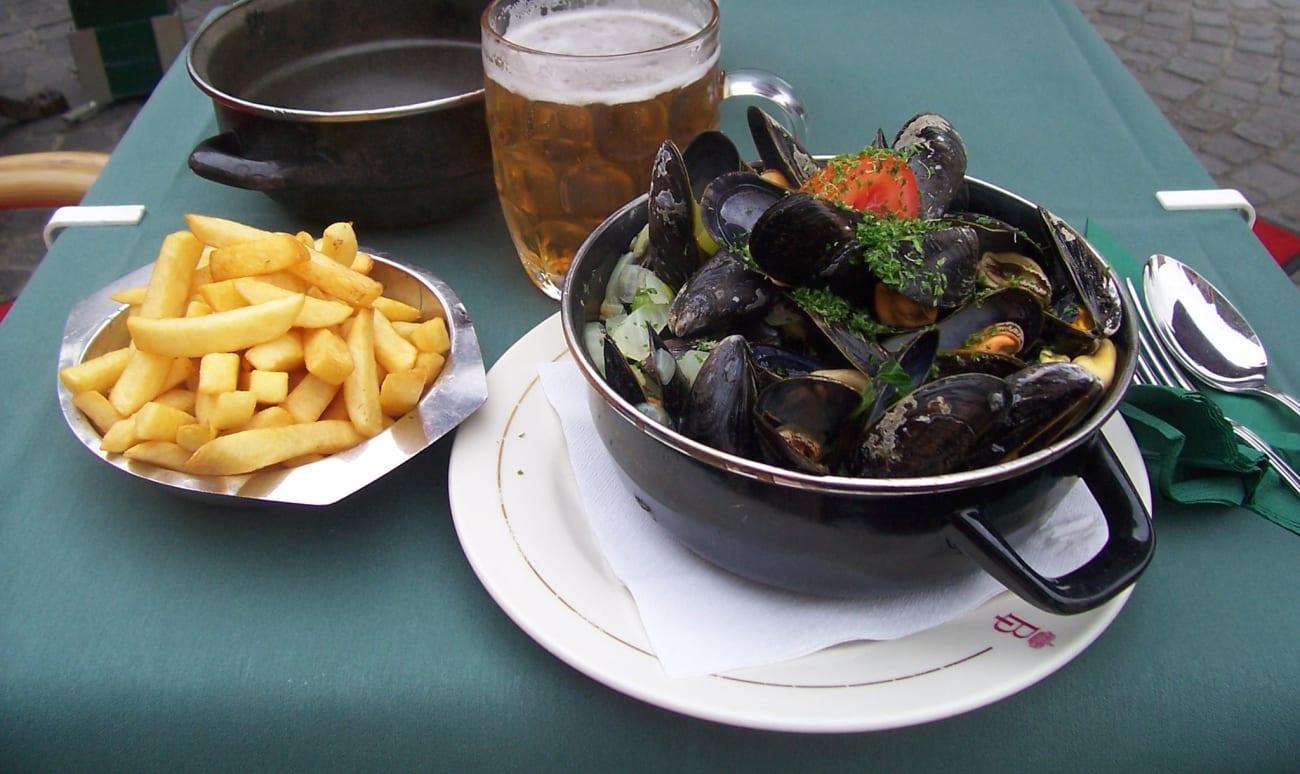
x,y
220,158
1125,555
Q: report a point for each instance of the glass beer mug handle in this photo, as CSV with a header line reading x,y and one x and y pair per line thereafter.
x,y
773,88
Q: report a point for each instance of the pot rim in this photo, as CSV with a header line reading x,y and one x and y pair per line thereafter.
x,y
242,105
572,316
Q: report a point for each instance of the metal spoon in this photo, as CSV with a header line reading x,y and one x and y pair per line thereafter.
x,y
1205,331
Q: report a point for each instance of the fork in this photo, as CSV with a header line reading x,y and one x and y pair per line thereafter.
x,y
1155,366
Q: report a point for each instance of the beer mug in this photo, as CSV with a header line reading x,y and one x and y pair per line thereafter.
x,y
580,96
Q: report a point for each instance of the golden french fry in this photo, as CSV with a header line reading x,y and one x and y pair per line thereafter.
x,y
191,437
326,355
120,437
167,291
316,312
361,387
159,422
283,353
142,380
97,409
338,280
219,372
268,386
228,331
271,416
220,232
392,351
258,256
133,296
221,296
339,241
248,450
431,363
179,398
363,263
432,336
401,391
197,308
164,454
232,409
96,374
395,310
309,398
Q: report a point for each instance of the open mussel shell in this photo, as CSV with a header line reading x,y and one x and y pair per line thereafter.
x,y
732,202
674,254
778,150
719,295
1090,276
801,421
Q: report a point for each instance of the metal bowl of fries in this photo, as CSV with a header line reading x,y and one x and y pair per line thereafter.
x,y
294,437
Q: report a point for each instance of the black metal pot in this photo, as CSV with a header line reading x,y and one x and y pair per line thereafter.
x,y
842,536
371,112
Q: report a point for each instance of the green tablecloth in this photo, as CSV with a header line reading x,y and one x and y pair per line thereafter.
x,y
140,630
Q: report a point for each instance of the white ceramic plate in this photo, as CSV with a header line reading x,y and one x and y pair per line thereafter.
x,y
521,523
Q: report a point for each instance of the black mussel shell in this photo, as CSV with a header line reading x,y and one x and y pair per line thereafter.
x,y
674,254
732,202
722,292
937,156
933,430
778,149
708,155
799,236
719,408
802,422
1047,399
1089,277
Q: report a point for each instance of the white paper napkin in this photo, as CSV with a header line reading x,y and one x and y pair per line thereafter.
x,y
703,620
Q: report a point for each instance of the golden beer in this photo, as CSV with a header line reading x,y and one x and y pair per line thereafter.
x,y
578,103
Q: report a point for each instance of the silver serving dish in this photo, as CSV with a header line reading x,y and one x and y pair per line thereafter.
x,y
98,325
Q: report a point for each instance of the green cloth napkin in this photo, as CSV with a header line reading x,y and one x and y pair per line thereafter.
x,y
1192,455
1190,451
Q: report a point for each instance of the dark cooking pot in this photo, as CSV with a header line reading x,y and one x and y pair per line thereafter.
x,y
371,112
843,536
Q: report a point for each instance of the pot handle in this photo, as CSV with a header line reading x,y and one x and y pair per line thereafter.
x,y
1125,555
220,158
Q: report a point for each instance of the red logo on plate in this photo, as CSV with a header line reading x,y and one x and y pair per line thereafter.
x,y
1023,630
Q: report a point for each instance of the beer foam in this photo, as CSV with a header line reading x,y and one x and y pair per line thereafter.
x,y
597,32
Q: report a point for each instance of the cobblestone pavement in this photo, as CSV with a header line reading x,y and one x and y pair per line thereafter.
x,y
1225,72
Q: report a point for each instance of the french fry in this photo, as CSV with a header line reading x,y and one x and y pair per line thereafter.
x,y
283,353
142,380
339,241
269,254
338,280
431,363
167,291
97,409
326,355
97,374
159,422
268,387
232,409
178,398
316,312
120,437
309,398
132,296
228,331
219,372
220,232
361,387
249,450
191,437
164,454
271,416
222,295
432,336
363,263
396,311
391,350
401,391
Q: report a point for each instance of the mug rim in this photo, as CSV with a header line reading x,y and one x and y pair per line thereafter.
x,y
710,27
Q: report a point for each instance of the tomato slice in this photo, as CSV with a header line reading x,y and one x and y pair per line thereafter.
x,y
872,180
